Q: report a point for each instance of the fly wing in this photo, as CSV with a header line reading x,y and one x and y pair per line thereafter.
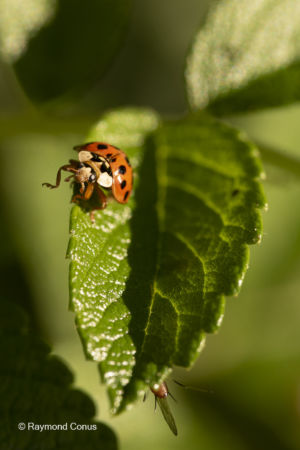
x,y
166,412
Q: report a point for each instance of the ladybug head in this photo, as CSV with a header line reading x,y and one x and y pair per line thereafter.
x,y
85,175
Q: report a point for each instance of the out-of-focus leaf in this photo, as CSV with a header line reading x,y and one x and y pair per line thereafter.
x,y
148,280
19,22
246,57
35,387
66,48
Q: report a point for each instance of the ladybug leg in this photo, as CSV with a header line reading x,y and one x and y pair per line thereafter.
x,y
82,189
89,191
68,178
74,163
103,203
94,167
84,195
102,198
67,168
76,197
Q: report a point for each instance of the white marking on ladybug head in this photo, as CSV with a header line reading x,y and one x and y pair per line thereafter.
x,y
105,180
82,175
83,156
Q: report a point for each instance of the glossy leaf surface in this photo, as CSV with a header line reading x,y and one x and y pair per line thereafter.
x,y
148,279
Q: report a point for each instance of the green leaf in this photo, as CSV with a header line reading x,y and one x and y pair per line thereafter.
x,y
36,388
30,18
148,280
246,57
65,48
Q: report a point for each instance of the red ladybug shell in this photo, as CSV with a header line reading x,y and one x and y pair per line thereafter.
x,y
122,179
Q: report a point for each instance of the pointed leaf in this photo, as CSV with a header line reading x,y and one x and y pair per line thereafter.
x,y
148,280
246,57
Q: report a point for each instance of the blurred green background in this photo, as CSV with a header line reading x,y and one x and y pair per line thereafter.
x,y
253,363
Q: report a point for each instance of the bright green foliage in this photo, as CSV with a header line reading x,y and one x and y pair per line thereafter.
x,y
246,57
36,387
148,280
66,47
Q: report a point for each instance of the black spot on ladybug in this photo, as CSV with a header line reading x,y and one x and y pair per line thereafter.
x,y
123,184
127,160
96,157
101,146
235,192
126,195
108,155
122,170
114,160
107,169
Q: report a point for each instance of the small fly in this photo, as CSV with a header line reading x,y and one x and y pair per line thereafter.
x,y
161,393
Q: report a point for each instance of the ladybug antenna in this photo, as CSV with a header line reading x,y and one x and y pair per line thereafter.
x,y
69,178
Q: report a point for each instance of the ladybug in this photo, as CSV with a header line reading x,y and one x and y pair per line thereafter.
x,y
115,168
99,165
